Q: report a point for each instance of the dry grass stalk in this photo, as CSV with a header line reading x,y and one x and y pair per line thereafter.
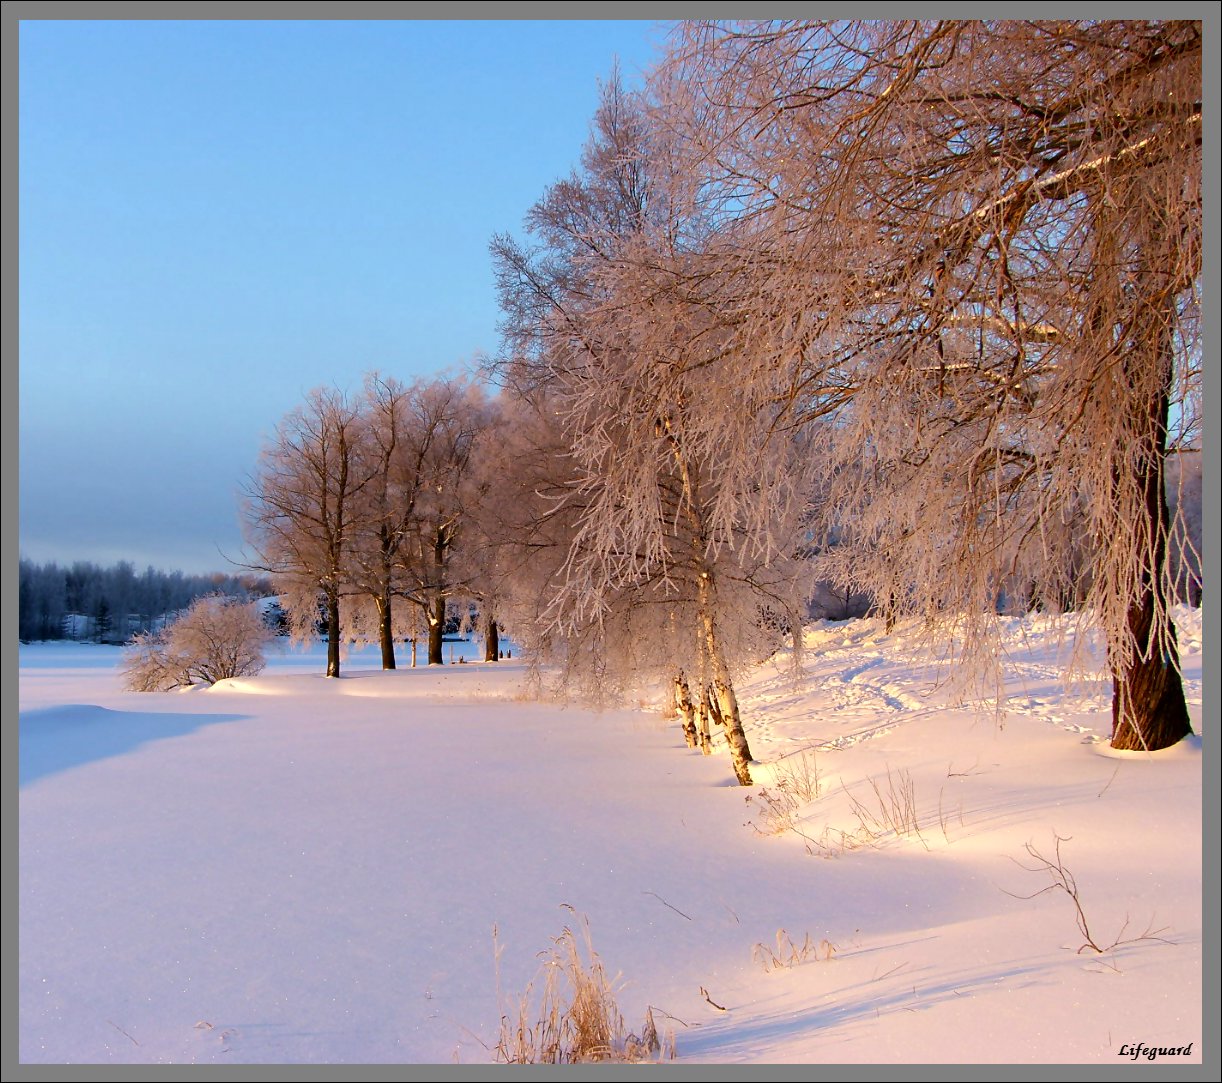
x,y
798,782
787,953
798,774
1063,880
896,811
576,1019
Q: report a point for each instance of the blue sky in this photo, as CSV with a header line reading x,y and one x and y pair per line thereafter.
x,y
218,216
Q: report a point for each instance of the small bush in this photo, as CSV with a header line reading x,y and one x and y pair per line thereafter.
x,y
218,637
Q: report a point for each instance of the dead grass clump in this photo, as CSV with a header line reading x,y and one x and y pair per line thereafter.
x,y
569,1014
797,782
787,953
798,774
893,810
775,811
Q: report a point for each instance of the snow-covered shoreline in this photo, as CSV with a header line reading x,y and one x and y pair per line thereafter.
x,y
285,869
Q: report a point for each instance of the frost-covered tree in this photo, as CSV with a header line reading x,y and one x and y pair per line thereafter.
x,y
964,259
608,317
303,510
522,522
401,428
453,411
488,559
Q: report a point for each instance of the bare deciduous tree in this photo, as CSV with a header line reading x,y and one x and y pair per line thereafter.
x,y
450,413
401,430
303,506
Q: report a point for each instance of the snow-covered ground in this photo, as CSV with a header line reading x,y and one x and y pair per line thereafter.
x,y
288,869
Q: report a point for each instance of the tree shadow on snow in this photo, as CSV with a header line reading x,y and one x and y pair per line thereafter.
x,y
55,739
865,1001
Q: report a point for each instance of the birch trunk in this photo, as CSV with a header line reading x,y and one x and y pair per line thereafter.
x,y
706,738
683,703
722,685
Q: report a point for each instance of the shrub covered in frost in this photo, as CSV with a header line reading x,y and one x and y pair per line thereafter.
x,y
217,637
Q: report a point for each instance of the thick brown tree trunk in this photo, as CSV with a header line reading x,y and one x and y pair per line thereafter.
x,y
437,627
385,635
492,641
1148,707
332,634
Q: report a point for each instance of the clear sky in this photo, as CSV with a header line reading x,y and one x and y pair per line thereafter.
x,y
216,217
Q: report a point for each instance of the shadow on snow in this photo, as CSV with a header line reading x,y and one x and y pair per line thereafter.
x,y
55,739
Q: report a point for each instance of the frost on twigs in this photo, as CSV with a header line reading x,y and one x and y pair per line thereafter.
x,y
216,638
980,311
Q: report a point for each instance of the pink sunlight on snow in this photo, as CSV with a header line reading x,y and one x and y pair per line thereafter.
x,y
290,869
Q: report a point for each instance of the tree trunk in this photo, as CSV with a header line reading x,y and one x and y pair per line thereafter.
x,y
702,700
332,634
492,641
710,643
385,635
437,627
683,703
731,721
725,701
1148,708
704,712
437,614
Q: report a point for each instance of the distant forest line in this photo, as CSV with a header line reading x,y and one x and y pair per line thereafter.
x,y
86,601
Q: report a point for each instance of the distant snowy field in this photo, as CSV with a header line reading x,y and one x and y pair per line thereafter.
x,y
288,869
